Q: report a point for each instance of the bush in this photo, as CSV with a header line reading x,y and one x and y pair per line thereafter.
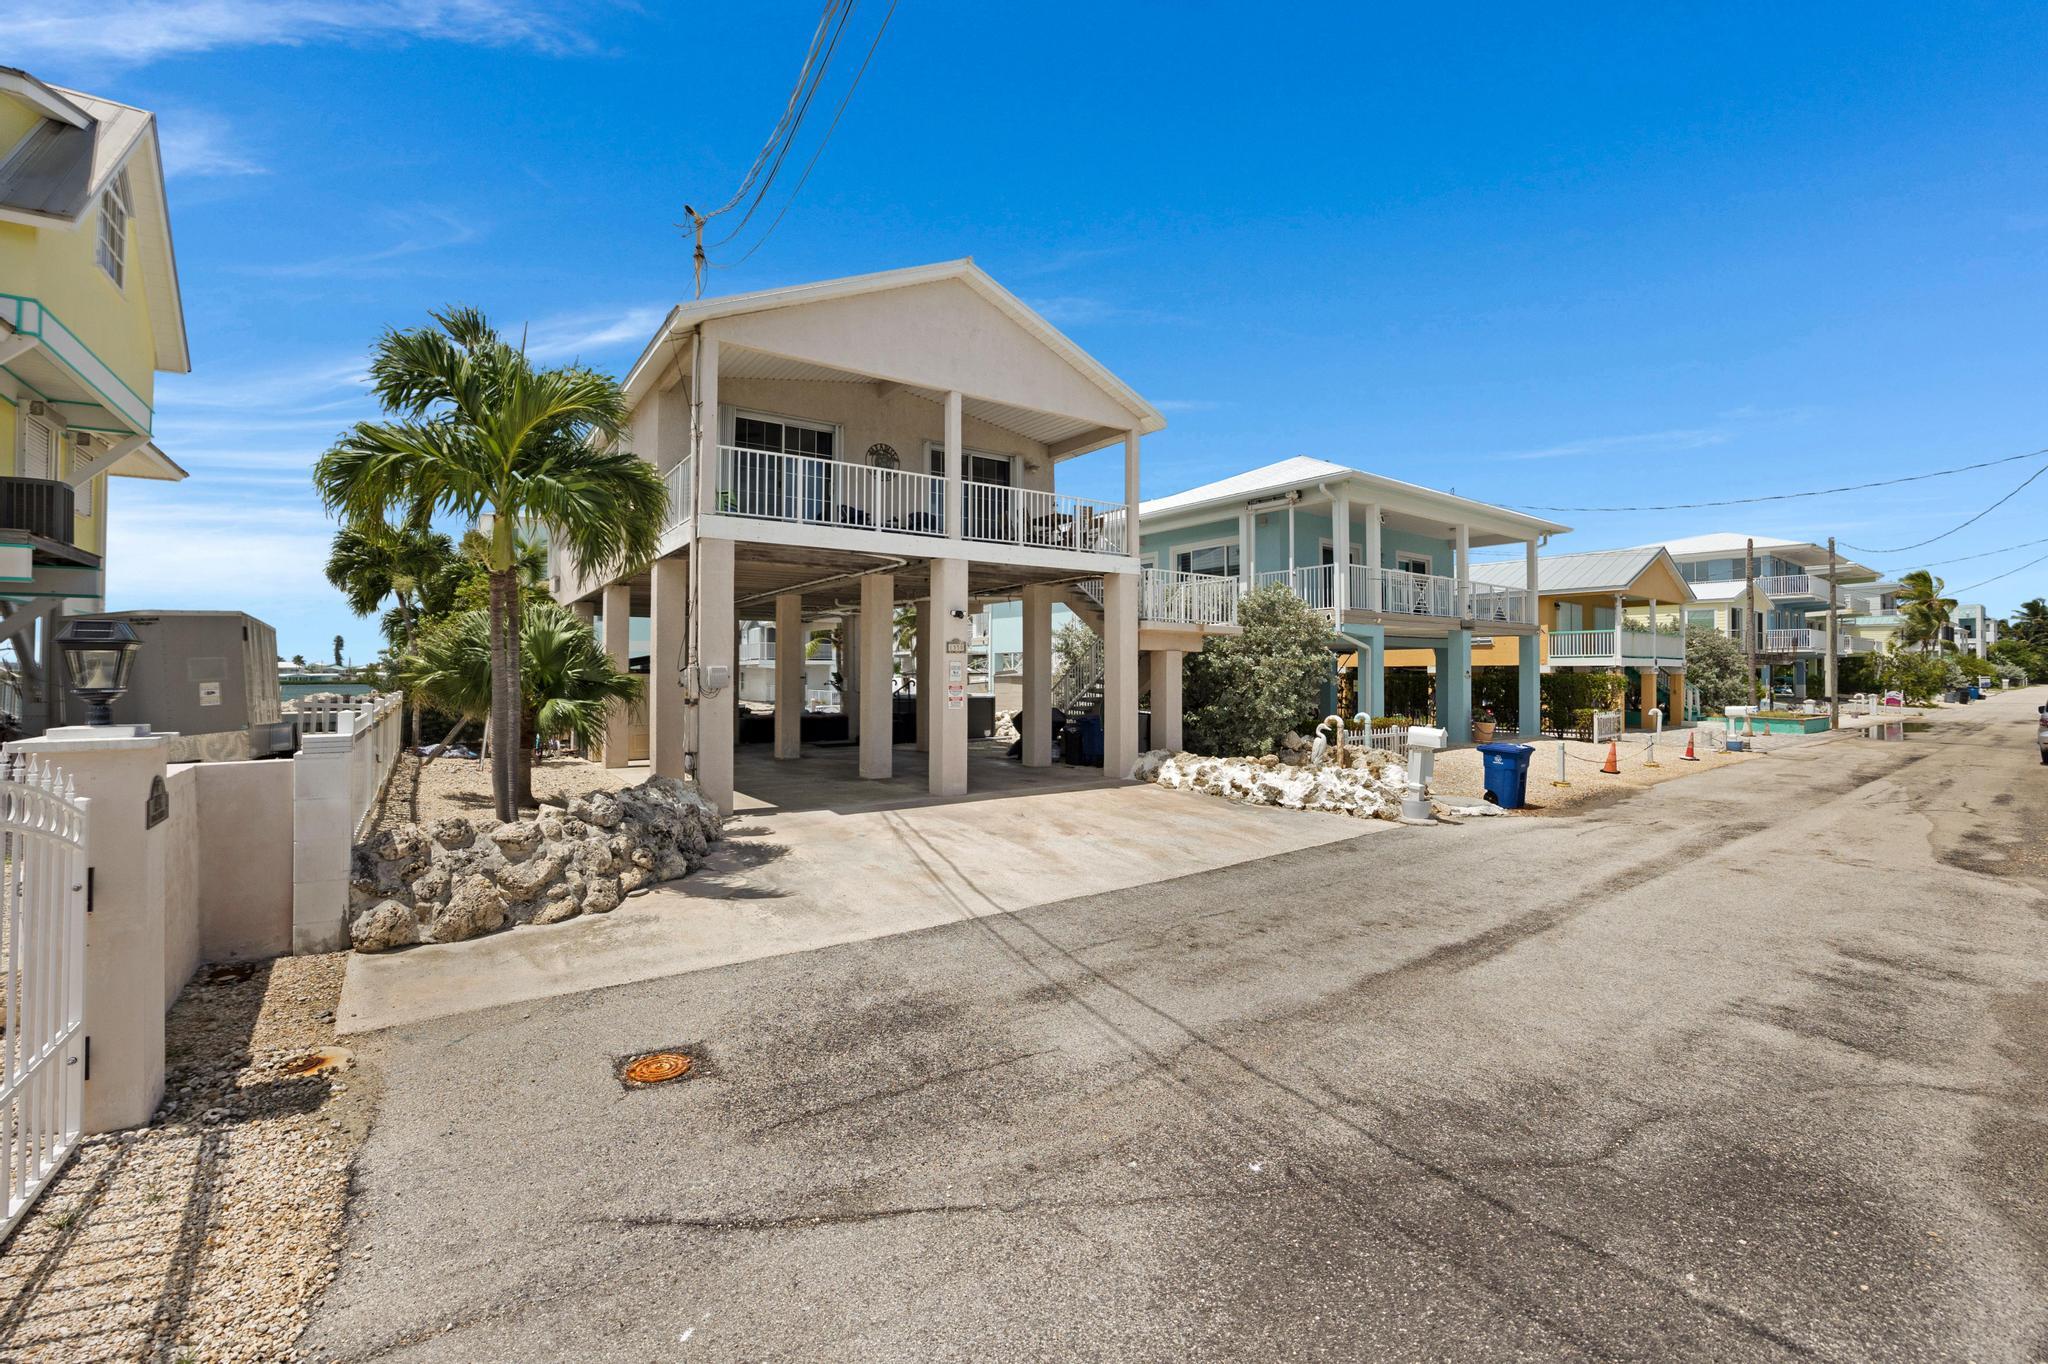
x,y
1717,665
1243,692
1569,699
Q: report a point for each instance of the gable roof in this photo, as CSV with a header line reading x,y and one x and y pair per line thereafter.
x,y
1287,474
57,172
1602,570
684,316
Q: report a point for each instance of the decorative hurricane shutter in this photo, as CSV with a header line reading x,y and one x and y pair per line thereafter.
x,y
38,450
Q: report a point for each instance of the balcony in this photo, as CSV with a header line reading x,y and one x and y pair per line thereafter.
x,y
1783,586
1188,598
1391,591
768,485
1616,648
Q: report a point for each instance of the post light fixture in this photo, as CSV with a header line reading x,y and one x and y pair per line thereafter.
x,y
98,655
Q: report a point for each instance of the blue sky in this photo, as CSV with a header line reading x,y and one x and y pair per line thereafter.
x,y
1589,256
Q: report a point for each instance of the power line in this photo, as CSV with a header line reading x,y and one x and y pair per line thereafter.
x,y
833,127
1986,554
1817,492
1900,549
795,124
2007,574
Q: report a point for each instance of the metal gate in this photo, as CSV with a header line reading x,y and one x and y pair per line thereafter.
x,y
43,831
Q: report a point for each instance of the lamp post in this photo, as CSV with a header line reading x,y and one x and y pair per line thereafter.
x,y
98,655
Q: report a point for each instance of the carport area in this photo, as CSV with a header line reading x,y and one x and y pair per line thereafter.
x,y
827,777
800,870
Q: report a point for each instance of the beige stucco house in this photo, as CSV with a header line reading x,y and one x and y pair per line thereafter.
x,y
836,450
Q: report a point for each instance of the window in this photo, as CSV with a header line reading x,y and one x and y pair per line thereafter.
x,y
1214,561
112,250
1411,563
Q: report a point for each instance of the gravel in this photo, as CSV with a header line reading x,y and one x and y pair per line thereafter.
x,y
462,786
1461,772
206,1234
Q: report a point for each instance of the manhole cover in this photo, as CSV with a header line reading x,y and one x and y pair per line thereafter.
x,y
656,1067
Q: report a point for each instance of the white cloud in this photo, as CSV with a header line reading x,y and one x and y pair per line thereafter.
x,y
425,229
580,334
1695,438
132,32
198,144
1186,404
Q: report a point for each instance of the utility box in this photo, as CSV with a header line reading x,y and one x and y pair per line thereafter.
x,y
207,678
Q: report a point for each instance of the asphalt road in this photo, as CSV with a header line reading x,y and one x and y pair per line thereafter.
x,y
1752,1066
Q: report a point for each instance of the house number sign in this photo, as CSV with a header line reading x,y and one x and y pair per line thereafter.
x,y
157,808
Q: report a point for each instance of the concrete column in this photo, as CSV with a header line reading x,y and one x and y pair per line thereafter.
x,y
956,492
1340,553
789,676
667,651
127,988
1166,709
947,762
1037,718
1529,685
1529,573
1247,548
1454,686
1130,545
877,663
1119,674
618,646
585,611
847,661
1374,595
927,670
1647,700
1677,688
1461,556
707,425
711,591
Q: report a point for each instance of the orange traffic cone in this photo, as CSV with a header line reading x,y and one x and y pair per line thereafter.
x,y
1689,755
1613,765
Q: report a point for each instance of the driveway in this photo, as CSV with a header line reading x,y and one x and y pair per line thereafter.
x,y
1746,1067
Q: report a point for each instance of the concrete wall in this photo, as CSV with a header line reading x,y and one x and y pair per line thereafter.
x,y
1311,528
182,863
245,847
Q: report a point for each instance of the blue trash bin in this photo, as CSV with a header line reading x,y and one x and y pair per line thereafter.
x,y
1507,773
1976,693
1091,739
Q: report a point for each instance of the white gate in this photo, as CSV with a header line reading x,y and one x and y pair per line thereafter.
x,y
42,1055
1606,725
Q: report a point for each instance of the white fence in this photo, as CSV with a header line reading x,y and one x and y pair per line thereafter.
x,y
1606,725
681,489
827,492
42,1071
1316,585
337,776
1390,739
1613,646
1029,516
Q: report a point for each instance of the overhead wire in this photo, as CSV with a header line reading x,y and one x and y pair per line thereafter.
x,y
807,93
2007,574
1816,492
1900,549
783,123
831,128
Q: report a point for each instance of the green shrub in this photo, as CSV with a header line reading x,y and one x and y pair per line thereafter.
x,y
1243,692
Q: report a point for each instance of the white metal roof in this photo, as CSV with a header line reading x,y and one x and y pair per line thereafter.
x,y
687,315
1306,471
1724,590
1806,553
1601,570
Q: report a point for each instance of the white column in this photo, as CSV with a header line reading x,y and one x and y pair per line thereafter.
x,y
1340,552
927,674
667,651
947,763
585,611
1247,547
956,492
1166,692
711,592
1131,492
1119,674
1529,572
1374,588
1653,630
877,638
708,426
789,676
1037,717
1291,560
1462,557
847,653
618,646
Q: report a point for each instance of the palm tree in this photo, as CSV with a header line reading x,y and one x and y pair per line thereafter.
x,y
568,682
2030,623
480,431
1927,613
372,560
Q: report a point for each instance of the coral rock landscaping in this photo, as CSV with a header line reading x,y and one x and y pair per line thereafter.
x,y
456,878
1361,782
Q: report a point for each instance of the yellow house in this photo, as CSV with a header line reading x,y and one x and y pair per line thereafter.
x,y
89,314
1603,611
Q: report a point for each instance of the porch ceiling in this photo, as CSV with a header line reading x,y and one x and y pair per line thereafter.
x,y
1046,428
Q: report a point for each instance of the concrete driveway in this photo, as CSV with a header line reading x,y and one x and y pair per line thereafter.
x,y
1746,1067
817,858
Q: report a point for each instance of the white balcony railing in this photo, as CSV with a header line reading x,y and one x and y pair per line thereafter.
x,y
1028,516
681,488
1505,605
825,492
1188,598
1316,585
1793,585
1616,646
